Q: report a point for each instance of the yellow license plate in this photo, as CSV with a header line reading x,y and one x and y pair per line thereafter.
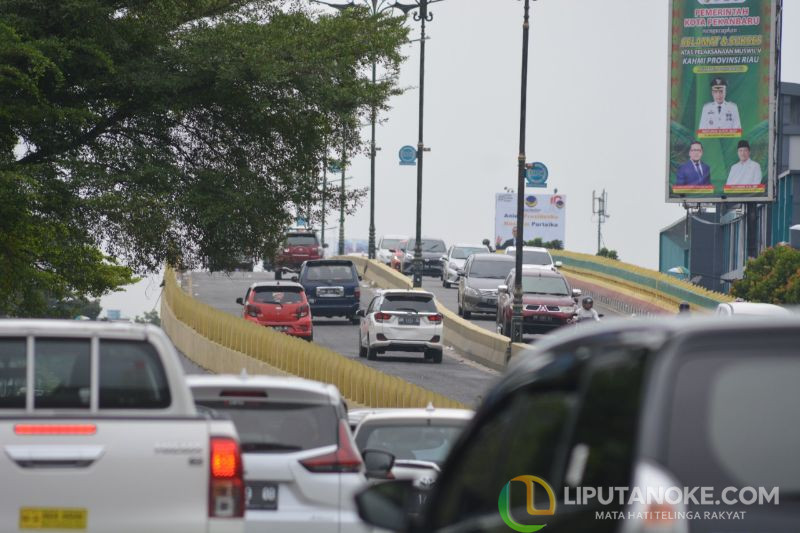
x,y
52,518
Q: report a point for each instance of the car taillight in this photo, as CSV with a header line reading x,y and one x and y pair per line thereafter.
x,y
435,318
55,429
226,484
357,293
302,311
380,317
253,310
344,459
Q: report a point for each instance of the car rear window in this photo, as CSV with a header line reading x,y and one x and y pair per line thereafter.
x,y
463,253
420,304
276,295
130,374
330,273
545,285
532,257
278,427
301,240
419,441
490,269
735,422
427,245
392,244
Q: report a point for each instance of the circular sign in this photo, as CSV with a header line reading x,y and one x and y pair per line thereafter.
x,y
531,201
536,175
408,155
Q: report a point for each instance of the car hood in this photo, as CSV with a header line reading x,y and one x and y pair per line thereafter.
x,y
458,263
483,283
546,299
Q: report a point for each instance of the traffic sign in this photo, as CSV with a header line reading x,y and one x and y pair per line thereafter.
x,y
535,175
408,155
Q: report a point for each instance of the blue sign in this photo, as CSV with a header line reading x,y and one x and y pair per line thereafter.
x,y
113,314
535,175
408,155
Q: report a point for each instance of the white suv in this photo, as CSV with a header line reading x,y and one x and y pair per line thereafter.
x,y
301,464
536,256
401,320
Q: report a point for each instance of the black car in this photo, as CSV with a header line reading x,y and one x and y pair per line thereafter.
x,y
674,425
332,287
432,250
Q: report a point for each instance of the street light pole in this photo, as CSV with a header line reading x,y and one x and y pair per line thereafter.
x,y
341,205
516,321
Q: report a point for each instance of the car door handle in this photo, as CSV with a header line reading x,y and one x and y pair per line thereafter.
x,y
46,456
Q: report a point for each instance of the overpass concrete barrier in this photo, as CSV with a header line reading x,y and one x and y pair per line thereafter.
x,y
225,344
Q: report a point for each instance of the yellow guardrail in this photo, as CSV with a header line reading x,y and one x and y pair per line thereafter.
x,y
357,382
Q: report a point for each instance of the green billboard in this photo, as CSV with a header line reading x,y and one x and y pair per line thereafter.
x,y
722,97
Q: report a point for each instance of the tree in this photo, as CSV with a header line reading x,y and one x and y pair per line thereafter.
x,y
605,252
772,277
150,317
554,244
186,132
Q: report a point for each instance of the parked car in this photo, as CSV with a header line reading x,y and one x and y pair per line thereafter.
x,y
387,247
548,301
478,282
535,255
418,439
750,309
432,250
401,320
280,305
455,258
99,433
333,287
705,409
301,464
299,246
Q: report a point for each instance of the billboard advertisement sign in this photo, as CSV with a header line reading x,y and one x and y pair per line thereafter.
x,y
545,217
721,138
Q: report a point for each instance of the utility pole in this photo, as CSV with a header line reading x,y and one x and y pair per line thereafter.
x,y
599,206
341,204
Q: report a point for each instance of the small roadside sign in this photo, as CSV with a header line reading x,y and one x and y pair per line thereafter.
x,y
535,175
408,155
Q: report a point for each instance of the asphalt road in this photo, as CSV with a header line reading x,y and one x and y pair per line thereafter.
x,y
456,377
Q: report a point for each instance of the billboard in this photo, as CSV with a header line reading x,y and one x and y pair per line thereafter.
x,y
545,217
721,101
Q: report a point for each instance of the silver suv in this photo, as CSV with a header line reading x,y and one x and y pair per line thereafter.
x,y
478,282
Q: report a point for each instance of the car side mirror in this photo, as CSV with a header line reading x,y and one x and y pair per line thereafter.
x,y
559,264
502,288
460,272
392,250
576,293
239,301
295,278
444,258
387,505
378,463
361,312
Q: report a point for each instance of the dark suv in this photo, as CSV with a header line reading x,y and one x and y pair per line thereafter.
x,y
332,287
669,425
299,246
432,250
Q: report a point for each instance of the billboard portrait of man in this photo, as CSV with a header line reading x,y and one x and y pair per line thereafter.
x,y
745,171
694,171
720,114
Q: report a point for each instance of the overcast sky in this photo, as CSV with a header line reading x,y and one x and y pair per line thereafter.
x,y
597,117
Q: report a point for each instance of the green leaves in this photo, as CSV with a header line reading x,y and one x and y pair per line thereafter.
x,y
170,131
772,277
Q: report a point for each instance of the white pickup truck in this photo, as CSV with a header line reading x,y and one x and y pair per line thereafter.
x,y
99,432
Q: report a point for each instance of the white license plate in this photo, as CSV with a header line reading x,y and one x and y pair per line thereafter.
x,y
283,329
328,293
409,320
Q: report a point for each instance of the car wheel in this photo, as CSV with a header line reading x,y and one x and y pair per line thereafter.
x,y
310,338
434,355
278,274
354,320
460,309
362,350
445,283
466,314
372,353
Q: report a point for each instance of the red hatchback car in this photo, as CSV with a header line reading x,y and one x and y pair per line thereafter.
x,y
280,305
299,247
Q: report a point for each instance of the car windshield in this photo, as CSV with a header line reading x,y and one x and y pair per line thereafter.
x,y
301,240
392,244
427,245
277,295
411,440
402,302
545,285
278,427
330,273
490,269
463,253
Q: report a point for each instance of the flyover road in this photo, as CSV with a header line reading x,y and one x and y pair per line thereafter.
x,y
456,377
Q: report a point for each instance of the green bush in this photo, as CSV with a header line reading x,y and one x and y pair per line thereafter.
x,y
772,277
611,254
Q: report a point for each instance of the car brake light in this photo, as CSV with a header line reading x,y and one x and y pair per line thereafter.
x,y
344,459
380,317
226,484
253,310
357,293
55,429
302,311
435,318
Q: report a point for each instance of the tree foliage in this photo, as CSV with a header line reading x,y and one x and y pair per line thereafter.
x,y
605,252
180,131
150,317
772,277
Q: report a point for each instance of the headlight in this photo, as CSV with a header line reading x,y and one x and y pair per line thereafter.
x,y
409,256
567,309
471,291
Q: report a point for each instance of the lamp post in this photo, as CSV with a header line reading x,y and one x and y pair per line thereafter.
x,y
516,320
341,205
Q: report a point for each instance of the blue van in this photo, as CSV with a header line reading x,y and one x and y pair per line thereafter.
x,y
332,287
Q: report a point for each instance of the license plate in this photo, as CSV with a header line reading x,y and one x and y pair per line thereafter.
x,y
52,518
283,329
261,495
541,318
409,320
329,292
